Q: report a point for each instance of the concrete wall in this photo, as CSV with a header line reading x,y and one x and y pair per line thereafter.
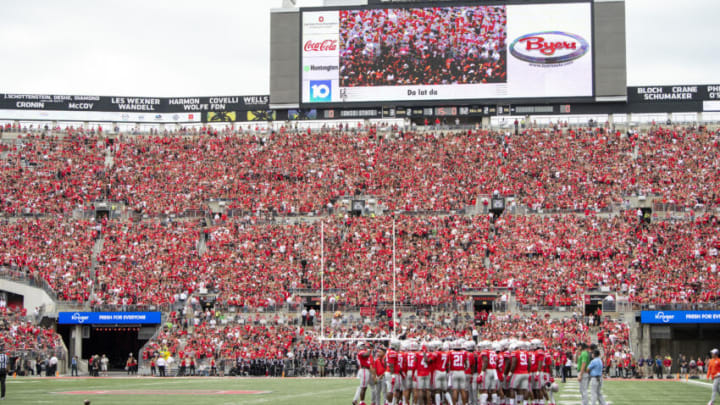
x,y
32,297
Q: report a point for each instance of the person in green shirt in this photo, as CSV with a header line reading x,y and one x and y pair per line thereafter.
x,y
583,359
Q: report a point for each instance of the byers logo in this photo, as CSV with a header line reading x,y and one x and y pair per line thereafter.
x,y
549,47
320,90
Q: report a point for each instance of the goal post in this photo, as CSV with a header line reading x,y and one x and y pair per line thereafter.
x,y
322,289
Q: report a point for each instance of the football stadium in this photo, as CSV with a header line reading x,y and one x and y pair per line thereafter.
x,y
367,202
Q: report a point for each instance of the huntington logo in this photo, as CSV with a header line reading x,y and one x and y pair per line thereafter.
x,y
549,47
79,318
660,316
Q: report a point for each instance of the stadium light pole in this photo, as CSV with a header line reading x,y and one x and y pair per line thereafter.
x,y
322,278
394,286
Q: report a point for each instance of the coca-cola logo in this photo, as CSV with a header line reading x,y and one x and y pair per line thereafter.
x,y
321,46
549,47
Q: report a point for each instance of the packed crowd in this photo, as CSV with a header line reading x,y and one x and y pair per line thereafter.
x,y
44,176
147,263
540,260
553,260
52,250
22,339
228,340
290,172
423,46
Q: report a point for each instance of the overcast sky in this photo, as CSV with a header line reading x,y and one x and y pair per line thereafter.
x,y
220,47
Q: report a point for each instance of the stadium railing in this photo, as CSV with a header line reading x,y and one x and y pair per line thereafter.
x,y
22,276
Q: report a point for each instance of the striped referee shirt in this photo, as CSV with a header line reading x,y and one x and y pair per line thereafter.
x,y
3,361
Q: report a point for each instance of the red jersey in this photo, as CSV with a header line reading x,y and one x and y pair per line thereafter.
x,y
391,358
380,366
424,368
506,357
441,364
472,364
537,361
364,362
522,362
556,357
402,363
547,367
412,361
458,359
492,359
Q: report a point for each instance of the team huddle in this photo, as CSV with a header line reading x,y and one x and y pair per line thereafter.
x,y
507,372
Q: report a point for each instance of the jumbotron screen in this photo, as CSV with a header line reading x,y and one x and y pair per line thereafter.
x,y
447,53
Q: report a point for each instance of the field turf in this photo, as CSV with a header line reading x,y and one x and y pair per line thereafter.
x,y
228,391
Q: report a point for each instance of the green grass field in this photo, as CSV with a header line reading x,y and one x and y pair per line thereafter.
x,y
226,391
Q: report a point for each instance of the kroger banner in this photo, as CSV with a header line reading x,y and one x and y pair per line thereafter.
x,y
88,318
670,317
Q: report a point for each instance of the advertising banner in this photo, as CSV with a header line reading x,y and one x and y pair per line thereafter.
x,y
447,53
97,318
671,317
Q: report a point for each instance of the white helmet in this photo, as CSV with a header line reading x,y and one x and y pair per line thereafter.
x,y
469,346
414,346
513,346
457,344
496,346
361,345
404,345
446,346
435,345
554,387
536,343
394,344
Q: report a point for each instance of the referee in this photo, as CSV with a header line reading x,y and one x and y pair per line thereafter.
x,y
3,371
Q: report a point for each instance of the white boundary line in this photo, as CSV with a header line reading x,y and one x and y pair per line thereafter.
x,y
705,384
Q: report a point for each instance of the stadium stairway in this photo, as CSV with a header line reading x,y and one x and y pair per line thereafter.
x,y
109,159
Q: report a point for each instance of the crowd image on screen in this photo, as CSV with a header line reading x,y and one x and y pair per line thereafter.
x,y
423,46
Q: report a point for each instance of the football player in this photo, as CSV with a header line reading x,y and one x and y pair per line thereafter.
x,y
458,363
425,365
488,372
363,362
519,369
440,375
393,378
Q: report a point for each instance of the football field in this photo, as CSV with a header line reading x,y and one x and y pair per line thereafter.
x,y
222,391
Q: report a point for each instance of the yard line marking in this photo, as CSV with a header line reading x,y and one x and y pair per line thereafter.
x,y
305,394
706,384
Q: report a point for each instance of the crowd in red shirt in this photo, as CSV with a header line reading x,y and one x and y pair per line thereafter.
x,y
438,45
21,337
301,172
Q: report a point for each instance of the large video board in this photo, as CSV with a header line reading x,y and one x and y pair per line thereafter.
x,y
470,52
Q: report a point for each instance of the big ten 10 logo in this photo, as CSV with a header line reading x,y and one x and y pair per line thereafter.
x,y
320,90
